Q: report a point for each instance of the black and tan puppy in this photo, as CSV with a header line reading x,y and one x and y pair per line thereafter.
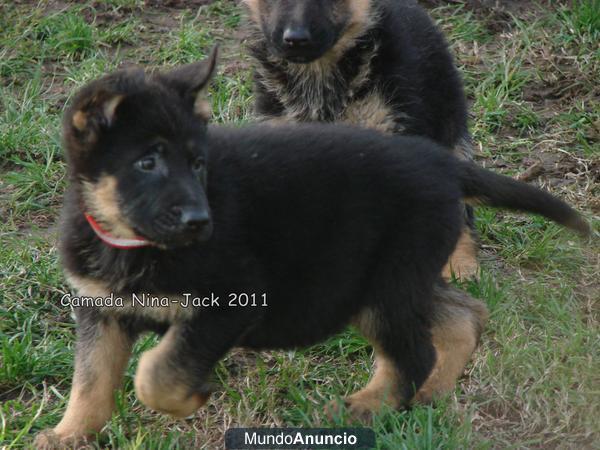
x,y
297,231
380,64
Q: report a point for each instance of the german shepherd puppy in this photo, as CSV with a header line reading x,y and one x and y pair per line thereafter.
x,y
288,234
380,64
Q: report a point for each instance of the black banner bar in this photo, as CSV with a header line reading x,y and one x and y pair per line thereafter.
x,y
299,438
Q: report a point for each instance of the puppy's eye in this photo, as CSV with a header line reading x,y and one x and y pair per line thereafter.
x,y
147,164
198,164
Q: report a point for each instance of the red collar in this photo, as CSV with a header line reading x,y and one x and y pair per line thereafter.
x,y
121,243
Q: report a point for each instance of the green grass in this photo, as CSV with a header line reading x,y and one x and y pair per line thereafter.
x,y
186,44
533,87
461,26
581,20
66,35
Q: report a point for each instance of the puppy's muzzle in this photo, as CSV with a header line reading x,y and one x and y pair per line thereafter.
x,y
184,224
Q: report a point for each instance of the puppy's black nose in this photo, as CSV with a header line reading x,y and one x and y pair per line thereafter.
x,y
192,217
296,36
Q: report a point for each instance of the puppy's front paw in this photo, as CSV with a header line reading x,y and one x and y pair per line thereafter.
x,y
177,402
162,387
50,440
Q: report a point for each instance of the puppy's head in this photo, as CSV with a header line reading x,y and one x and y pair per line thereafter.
x,y
302,31
136,148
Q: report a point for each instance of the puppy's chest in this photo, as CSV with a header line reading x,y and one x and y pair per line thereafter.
x,y
328,95
115,301
374,112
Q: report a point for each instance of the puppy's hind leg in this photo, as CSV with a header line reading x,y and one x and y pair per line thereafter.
x,y
463,262
457,323
101,355
404,358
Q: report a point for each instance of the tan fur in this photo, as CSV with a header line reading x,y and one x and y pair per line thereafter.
x,y
87,286
110,106
102,202
458,323
90,287
202,108
371,112
361,19
360,11
456,330
160,385
454,345
99,368
311,92
463,261
311,81
382,390
80,120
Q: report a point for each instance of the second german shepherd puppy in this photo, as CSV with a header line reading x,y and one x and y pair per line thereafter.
x,y
380,64
294,231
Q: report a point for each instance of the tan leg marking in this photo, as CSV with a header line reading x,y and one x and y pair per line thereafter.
x,y
458,322
463,262
454,345
99,369
161,385
384,387
382,390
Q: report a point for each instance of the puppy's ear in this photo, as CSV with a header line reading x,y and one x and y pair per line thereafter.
x,y
98,112
191,82
94,109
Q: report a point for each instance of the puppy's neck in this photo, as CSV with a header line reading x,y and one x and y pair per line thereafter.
x,y
116,242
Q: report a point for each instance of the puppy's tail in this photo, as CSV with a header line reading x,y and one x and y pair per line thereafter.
x,y
481,186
